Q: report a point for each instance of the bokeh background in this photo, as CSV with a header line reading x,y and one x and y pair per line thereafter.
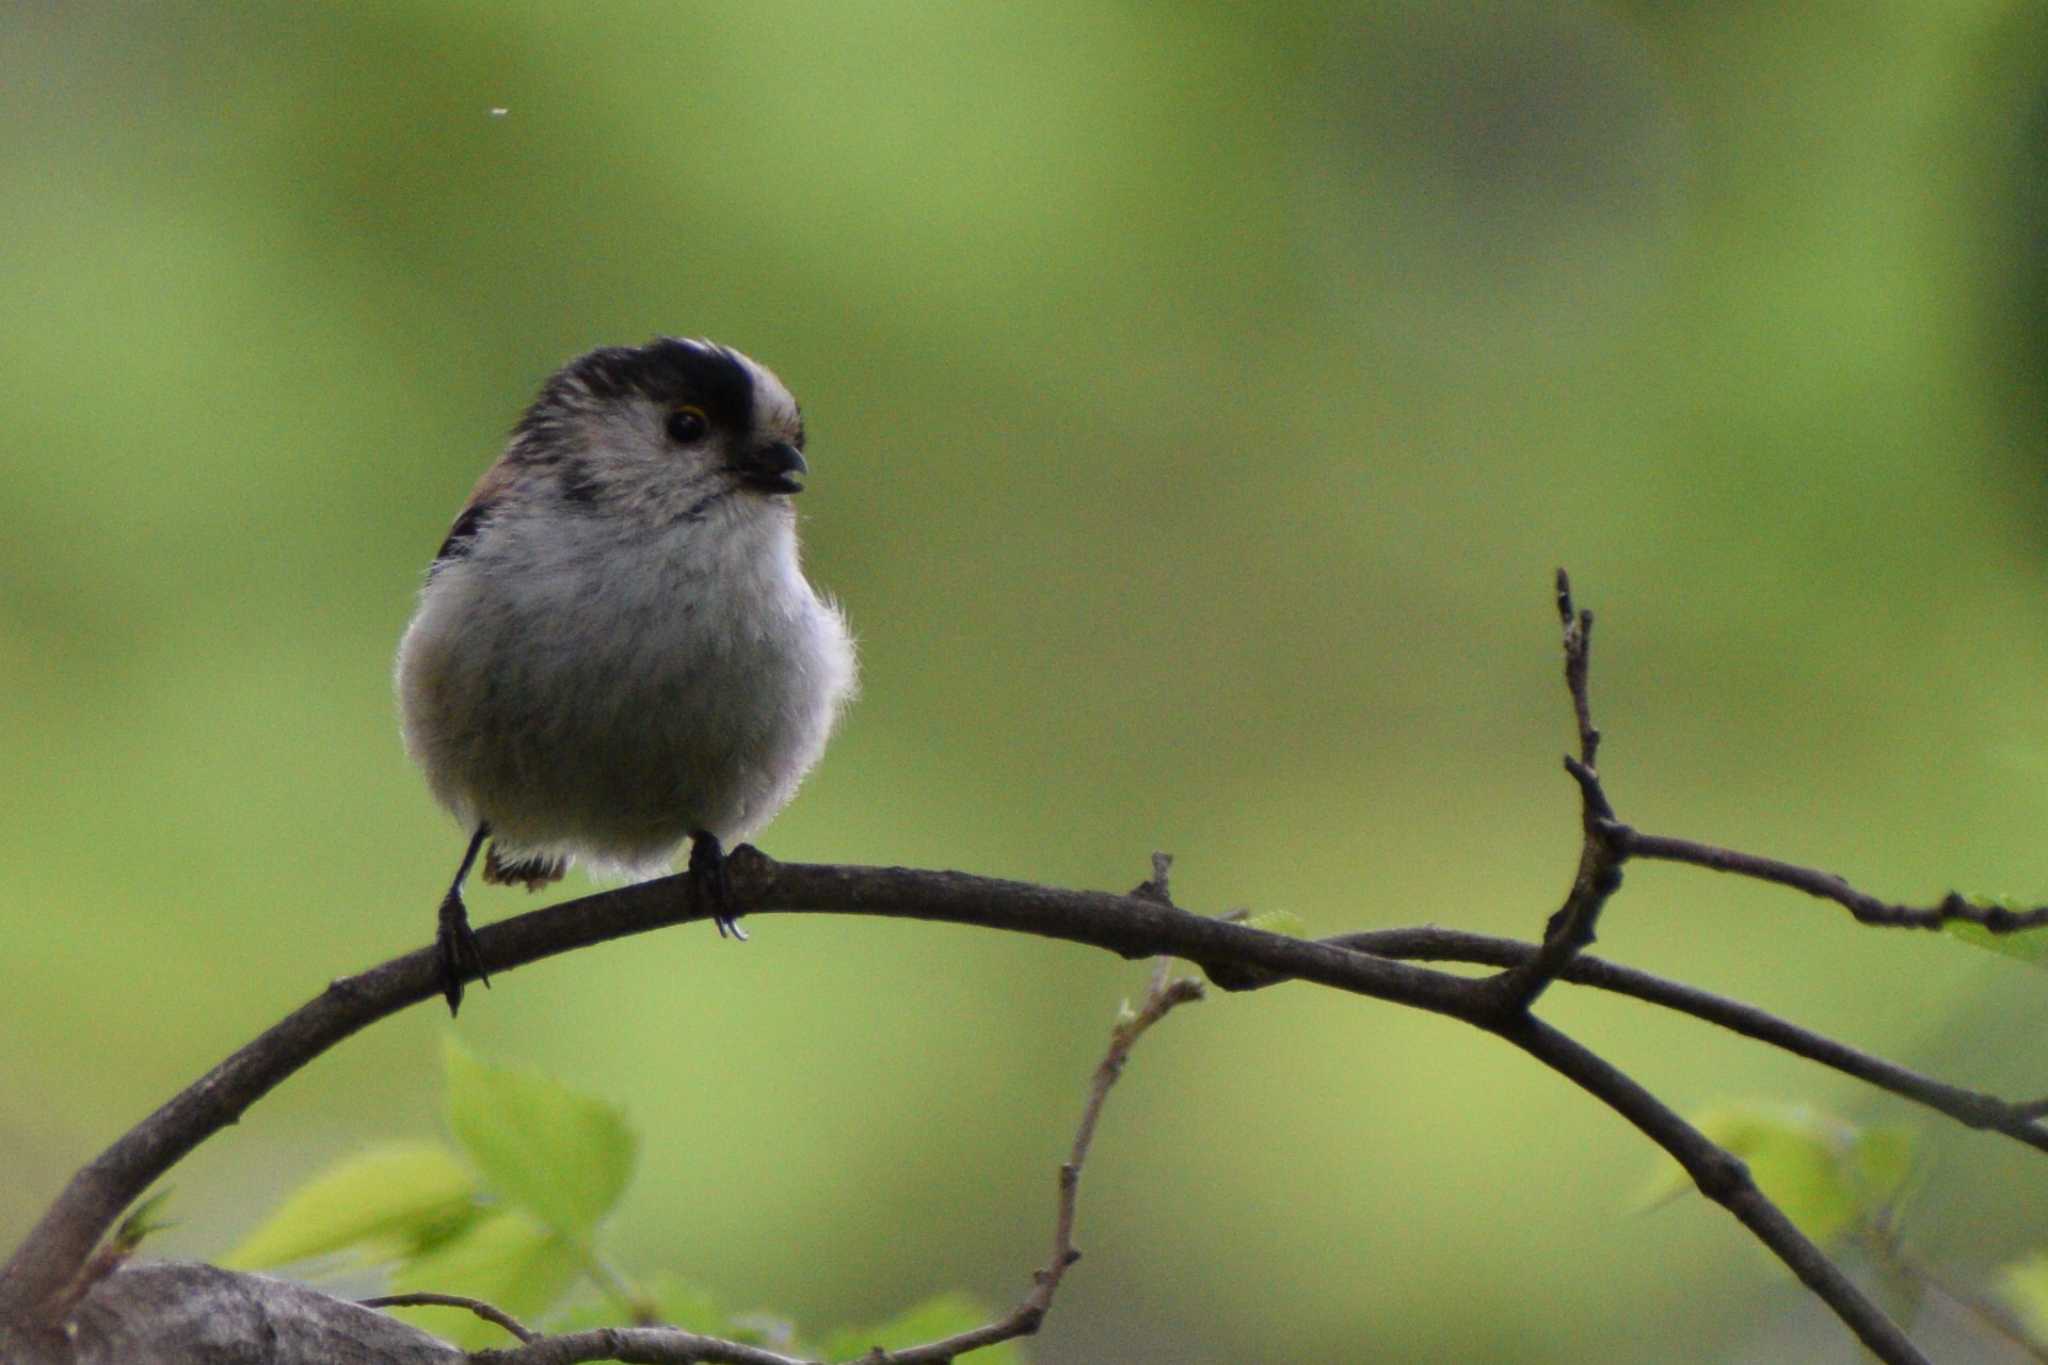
x,y
1201,397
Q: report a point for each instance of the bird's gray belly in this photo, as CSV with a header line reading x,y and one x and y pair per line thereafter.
x,y
620,747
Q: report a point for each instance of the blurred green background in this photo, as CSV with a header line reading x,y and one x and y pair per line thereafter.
x,y
1200,398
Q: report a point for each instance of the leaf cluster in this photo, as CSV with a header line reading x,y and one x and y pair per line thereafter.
x,y
511,1213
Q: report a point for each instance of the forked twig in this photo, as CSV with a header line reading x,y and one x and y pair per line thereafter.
x,y
660,1345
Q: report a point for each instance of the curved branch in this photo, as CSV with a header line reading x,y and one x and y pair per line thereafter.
x,y
490,1313
1134,926
1971,1108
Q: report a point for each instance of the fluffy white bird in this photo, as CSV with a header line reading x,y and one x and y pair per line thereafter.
x,y
616,649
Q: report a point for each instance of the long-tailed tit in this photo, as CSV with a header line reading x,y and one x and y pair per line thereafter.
x,y
616,649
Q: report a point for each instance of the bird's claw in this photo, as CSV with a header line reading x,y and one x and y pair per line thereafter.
x,y
711,883
461,958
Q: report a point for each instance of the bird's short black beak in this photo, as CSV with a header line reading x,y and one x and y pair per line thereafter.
x,y
772,468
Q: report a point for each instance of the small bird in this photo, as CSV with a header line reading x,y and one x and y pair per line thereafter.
x,y
616,649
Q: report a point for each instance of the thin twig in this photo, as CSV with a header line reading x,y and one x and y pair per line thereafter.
x,y
635,1346
1162,995
1972,1108
1573,927
663,1346
488,1312
1578,655
616,1287
1866,908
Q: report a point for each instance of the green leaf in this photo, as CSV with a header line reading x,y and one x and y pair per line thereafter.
x,y
2029,945
1882,1163
142,1221
506,1259
1829,1176
561,1154
2025,1286
1278,922
400,1192
931,1320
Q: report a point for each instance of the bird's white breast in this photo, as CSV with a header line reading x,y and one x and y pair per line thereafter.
x,y
608,699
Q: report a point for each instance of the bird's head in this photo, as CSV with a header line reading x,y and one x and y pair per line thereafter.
x,y
673,430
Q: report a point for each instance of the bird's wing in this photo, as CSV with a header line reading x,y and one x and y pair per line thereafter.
x,y
470,520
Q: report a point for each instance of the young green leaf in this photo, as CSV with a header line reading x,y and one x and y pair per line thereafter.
x,y
506,1259
2029,945
400,1192
1881,1165
2025,1286
1828,1175
563,1155
1278,922
143,1222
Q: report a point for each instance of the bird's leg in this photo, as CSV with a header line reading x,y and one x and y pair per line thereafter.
x,y
711,883
460,956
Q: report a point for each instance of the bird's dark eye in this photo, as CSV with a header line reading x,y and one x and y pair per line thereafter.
x,y
687,424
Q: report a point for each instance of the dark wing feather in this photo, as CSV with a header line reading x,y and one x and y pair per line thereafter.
x,y
461,536
475,514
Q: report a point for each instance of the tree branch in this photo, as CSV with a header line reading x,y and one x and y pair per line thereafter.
x,y
1133,926
1866,908
1164,995
1721,1177
636,1346
1578,660
167,1314
1598,877
1971,1108
44,1276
